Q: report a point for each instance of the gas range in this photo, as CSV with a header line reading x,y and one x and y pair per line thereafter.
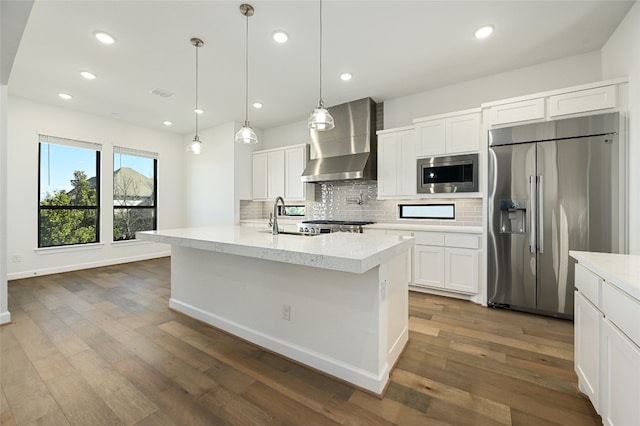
x,y
328,226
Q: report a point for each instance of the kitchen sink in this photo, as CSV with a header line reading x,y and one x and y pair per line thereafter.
x,y
290,233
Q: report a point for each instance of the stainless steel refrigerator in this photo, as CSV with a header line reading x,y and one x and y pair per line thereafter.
x,y
553,187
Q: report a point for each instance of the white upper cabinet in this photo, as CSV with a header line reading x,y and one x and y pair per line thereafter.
x,y
448,133
277,172
578,100
396,163
295,160
582,101
259,177
532,109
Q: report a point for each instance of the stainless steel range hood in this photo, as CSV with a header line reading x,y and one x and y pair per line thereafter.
x,y
348,151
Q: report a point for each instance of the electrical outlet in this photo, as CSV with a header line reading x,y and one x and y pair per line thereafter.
x,y
16,258
286,312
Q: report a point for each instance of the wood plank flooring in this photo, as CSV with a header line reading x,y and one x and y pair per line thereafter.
x,y
100,347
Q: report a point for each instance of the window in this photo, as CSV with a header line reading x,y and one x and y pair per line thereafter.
x,y
69,192
135,189
427,211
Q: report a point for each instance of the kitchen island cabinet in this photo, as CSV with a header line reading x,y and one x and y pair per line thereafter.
x,y
335,302
607,334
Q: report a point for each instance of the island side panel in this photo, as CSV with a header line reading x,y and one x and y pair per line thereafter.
x,y
394,297
335,317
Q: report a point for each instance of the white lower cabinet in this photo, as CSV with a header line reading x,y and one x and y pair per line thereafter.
x,y
587,347
461,270
447,261
620,396
607,346
429,266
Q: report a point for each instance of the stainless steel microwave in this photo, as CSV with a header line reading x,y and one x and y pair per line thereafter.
x,y
456,173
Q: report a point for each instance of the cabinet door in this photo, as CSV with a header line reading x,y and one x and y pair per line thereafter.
x,y
582,101
407,166
295,161
259,176
461,270
620,396
428,266
275,172
431,138
463,133
532,109
586,330
387,164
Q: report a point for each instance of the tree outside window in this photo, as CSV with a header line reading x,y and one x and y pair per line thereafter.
x,y
69,210
134,194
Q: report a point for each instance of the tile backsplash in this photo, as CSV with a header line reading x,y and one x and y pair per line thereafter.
x,y
357,200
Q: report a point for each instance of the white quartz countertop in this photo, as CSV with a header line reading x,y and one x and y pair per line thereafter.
x,y
621,270
389,225
340,251
429,228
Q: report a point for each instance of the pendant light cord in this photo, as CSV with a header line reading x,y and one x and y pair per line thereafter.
x,y
195,112
246,76
321,101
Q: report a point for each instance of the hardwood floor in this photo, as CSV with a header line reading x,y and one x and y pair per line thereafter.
x,y
100,347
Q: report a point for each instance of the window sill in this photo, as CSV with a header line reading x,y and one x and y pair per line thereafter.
x,y
68,249
133,242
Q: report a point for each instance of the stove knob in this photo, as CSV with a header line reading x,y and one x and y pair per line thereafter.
x,y
306,229
301,229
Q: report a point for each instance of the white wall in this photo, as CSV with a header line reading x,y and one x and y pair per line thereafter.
x,y
552,75
214,183
289,134
25,119
399,112
621,58
5,316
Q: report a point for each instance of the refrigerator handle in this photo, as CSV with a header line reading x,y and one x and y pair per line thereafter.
x,y
532,214
540,214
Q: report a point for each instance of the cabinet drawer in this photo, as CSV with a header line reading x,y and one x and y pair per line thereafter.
x,y
622,310
461,240
589,284
582,101
517,111
429,238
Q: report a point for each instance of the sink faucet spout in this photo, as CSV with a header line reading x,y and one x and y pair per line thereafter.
x,y
274,226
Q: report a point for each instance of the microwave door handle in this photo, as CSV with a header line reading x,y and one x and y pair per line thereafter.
x,y
540,214
532,214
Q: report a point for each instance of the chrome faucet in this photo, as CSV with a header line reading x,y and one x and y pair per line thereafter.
x,y
274,225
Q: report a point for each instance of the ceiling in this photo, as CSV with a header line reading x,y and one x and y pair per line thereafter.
x,y
392,48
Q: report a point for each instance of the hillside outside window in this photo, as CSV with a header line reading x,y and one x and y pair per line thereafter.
x,y
135,188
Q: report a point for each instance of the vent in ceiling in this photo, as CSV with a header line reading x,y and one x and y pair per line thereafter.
x,y
161,92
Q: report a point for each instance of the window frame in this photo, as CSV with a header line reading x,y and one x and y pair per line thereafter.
x,y
97,207
154,208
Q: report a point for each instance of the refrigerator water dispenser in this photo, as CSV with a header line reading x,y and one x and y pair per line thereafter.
x,y
512,216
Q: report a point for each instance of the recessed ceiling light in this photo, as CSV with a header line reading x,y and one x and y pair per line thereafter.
x,y
104,37
280,36
64,96
257,105
88,75
345,76
484,32
198,111
167,123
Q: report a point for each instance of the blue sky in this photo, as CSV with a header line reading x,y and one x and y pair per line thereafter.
x,y
58,162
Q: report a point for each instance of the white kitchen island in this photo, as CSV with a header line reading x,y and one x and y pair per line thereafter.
x,y
335,302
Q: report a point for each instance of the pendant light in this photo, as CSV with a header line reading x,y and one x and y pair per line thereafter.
x,y
246,135
195,146
320,118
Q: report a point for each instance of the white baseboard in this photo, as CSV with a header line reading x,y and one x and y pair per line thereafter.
x,y
361,378
5,317
88,265
461,296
